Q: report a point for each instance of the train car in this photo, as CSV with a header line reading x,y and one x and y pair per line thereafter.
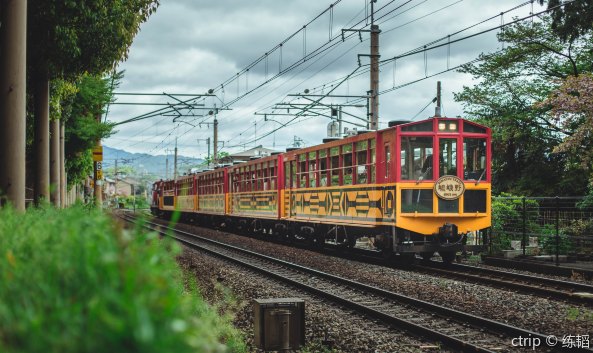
x,y
413,188
186,199
255,194
443,191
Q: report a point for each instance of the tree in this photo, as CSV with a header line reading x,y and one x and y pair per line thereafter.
x,y
83,129
571,105
69,38
208,161
571,19
511,82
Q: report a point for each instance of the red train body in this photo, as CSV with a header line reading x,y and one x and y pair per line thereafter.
x,y
384,185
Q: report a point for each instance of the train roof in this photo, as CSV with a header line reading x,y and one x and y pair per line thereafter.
x,y
426,125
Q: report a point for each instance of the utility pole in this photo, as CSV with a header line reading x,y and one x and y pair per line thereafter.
x,y
98,176
215,144
13,72
167,167
437,109
208,143
175,162
374,113
115,175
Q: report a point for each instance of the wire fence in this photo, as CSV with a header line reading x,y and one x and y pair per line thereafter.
x,y
557,226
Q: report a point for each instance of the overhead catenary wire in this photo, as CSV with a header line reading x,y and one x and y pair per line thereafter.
x,y
361,71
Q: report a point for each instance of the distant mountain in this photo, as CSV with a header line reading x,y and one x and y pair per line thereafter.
x,y
145,163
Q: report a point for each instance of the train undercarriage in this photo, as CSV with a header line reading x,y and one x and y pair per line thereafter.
x,y
392,243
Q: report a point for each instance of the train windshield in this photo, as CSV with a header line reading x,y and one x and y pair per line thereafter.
x,y
452,148
416,158
474,158
447,156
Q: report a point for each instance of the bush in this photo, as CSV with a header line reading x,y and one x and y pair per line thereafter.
x,y
548,241
71,281
507,215
129,201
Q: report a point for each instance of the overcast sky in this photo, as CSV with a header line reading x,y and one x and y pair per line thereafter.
x,y
191,46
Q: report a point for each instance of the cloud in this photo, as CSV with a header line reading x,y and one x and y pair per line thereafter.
x,y
189,47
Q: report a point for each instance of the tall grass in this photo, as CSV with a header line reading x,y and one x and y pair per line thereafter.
x,y
72,281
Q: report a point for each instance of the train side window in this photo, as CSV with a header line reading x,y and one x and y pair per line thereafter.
x,y
362,167
260,176
373,162
287,175
347,160
335,166
273,175
387,160
302,172
293,175
474,158
313,169
323,167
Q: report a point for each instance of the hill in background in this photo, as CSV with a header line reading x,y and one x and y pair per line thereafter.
x,y
146,164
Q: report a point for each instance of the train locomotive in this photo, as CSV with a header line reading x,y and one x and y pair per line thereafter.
x,y
413,188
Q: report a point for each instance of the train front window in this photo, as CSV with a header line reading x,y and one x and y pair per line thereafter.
x,y
416,158
474,158
448,156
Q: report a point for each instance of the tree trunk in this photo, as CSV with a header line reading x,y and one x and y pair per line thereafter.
x,y
54,162
13,57
41,148
63,186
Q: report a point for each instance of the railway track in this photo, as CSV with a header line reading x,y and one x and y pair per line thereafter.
x,y
534,285
567,291
455,329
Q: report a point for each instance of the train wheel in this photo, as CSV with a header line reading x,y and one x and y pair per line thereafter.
x,y
427,255
406,259
447,256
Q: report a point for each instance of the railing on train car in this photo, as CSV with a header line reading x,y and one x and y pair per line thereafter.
x,y
560,227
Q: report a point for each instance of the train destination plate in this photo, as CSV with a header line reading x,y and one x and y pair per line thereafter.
x,y
449,187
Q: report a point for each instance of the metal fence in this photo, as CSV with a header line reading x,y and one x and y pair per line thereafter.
x,y
556,226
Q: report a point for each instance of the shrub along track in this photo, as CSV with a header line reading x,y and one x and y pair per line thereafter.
x,y
454,328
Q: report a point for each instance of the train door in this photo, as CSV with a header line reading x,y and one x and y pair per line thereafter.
x,y
386,166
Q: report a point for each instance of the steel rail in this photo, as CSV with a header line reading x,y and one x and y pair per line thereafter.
x,y
447,314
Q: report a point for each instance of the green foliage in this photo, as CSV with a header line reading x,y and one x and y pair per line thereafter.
x,y
82,128
73,37
71,281
511,81
588,199
507,212
548,240
209,160
129,201
573,19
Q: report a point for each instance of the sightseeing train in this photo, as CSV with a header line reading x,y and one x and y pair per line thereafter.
x,y
413,188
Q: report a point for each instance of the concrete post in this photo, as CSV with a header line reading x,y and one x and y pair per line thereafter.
x,y
41,184
54,163
63,178
13,58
